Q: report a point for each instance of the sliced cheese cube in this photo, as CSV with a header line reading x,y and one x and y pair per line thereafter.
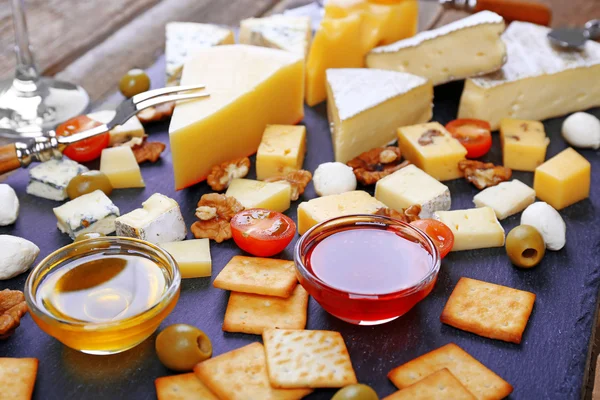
x,y
133,128
563,180
524,144
433,149
538,81
249,88
282,32
506,198
121,168
256,194
323,208
49,180
158,221
411,186
281,150
192,257
468,47
475,228
366,106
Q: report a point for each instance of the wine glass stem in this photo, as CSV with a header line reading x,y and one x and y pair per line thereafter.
x,y
26,69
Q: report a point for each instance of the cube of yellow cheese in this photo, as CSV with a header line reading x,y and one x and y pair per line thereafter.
x,y
524,144
323,208
563,180
475,228
433,149
192,257
256,194
121,168
281,150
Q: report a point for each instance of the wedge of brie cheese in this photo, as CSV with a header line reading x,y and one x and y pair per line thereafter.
x,y
92,212
468,47
366,106
49,179
537,82
158,221
133,128
278,32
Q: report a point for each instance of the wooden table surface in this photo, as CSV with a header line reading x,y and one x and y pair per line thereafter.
x,y
94,43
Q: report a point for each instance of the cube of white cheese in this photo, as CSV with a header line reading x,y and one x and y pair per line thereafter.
x,y
50,179
475,228
506,198
158,221
133,128
412,186
121,168
92,212
256,194
192,256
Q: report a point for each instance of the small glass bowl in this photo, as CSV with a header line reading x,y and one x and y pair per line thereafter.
x,y
106,337
360,308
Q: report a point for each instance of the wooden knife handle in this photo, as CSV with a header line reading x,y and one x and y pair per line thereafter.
x,y
8,158
518,10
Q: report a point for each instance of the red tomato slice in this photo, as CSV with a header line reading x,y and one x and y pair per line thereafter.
x,y
440,234
474,134
262,233
88,149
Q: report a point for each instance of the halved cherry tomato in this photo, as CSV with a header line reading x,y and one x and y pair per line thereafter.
x,y
440,234
261,232
474,134
88,149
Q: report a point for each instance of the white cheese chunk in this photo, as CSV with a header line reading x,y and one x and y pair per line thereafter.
x,y
92,212
506,198
9,205
17,256
543,217
582,130
133,128
50,179
158,221
334,178
475,228
278,32
192,256
412,186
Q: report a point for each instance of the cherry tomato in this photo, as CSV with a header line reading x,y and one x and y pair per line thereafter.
x,y
474,134
88,149
440,234
262,233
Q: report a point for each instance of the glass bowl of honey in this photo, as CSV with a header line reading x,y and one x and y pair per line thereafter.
x,y
103,295
366,269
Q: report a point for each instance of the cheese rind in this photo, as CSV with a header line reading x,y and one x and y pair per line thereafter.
x,y
506,198
92,212
192,257
538,81
278,32
121,168
468,47
256,194
281,150
132,128
49,180
524,144
366,106
475,228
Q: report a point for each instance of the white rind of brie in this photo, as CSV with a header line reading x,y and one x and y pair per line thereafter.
x,y
279,32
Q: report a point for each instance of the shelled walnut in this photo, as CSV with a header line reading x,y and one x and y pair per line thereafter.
x,y
375,164
148,151
407,215
12,308
298,180
214,211
220,176
482,174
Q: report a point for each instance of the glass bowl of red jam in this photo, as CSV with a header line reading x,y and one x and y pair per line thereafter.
x,y
366,269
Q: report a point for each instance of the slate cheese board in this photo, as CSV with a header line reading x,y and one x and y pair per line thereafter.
x,y
550,363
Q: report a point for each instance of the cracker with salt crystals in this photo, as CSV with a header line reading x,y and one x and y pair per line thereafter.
x,y
440,385
182,387
266,276
300,359
489,310
253,313
476,377
17,377
241,375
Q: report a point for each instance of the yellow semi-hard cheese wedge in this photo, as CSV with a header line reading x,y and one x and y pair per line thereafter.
x,y
192,256
249,88
121,168
256,194
281,150
475,228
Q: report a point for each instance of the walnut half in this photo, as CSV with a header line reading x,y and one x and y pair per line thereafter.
x,y
214,213
482,174
221,175
377,163
298,180
407,215
12,308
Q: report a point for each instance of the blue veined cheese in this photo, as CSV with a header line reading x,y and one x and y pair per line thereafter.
x,y
158,221
49,179
278,32
92,212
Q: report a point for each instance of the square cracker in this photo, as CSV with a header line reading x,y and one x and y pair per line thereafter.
x,y
479,380
489,310
17,377
182,387
266,276
253,313
241,375
315,359
440,385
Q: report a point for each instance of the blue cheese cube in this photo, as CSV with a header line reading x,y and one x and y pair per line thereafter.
x,y
49,180
92,212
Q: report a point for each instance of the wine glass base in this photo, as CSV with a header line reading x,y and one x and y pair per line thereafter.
x,y
27,106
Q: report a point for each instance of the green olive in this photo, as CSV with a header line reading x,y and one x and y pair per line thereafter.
x,y
355,392
89,235
180,347
134,82
525,246
87,182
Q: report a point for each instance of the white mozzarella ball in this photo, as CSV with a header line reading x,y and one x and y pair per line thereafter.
x,y
582,130
9,205
333,178
548,222
17,255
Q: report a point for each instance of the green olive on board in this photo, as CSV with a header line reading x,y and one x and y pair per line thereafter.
x,y
525,246
89,235
355,392
180,347
88,182
134,82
